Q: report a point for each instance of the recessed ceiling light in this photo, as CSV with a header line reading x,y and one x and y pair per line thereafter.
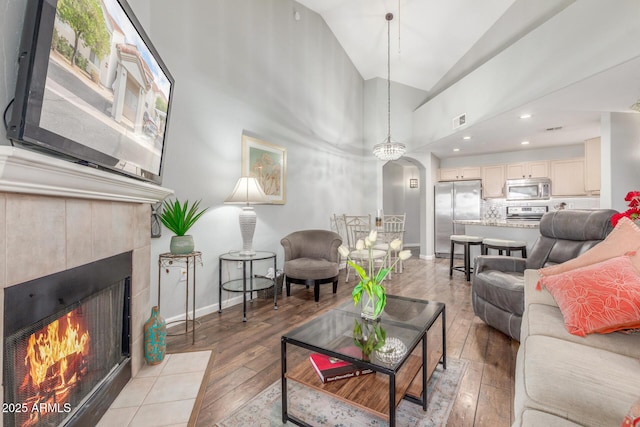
x,y
525,116
456,149
467,137
525,143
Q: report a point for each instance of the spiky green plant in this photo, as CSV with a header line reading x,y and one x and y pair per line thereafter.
x,y
179,218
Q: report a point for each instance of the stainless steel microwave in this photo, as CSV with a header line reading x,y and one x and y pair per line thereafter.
x,y
528,189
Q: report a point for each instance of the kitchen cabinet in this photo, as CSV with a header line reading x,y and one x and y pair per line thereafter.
x,y
456,174
493,181
567,177
592,165
537,169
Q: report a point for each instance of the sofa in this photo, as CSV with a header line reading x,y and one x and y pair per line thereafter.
x,y
497,289
562,379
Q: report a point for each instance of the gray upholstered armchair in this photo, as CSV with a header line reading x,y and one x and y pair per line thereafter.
x,y
497,290
311,258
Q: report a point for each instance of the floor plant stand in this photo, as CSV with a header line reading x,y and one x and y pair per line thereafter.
x,y
188,263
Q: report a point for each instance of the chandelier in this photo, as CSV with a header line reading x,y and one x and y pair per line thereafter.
x,y
389,149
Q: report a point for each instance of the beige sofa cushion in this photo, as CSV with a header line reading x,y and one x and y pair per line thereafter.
x,y
541,319
533,295
583,384
531,417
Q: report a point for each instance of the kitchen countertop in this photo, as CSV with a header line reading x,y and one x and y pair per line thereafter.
x,y
500,223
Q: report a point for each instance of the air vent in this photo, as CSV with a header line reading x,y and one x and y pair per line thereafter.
x,y
552,129
460,120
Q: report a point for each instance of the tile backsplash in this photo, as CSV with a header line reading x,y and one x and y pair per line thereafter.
x,y
499,206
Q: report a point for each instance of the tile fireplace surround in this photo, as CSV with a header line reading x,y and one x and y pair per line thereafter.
x,y
56,215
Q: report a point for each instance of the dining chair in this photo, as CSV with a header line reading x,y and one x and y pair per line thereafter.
x,y
358,227
392,228
337,226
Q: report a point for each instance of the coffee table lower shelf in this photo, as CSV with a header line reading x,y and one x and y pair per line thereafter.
x,y
369,392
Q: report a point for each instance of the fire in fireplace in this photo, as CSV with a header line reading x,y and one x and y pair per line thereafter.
x,y
67,356
56,362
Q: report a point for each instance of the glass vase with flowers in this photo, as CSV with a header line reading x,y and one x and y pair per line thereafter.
x,y
369,291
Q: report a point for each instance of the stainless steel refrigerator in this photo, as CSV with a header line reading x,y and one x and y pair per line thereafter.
x,y
454,200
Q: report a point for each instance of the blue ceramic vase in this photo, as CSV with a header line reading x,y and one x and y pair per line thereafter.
x,y
155,338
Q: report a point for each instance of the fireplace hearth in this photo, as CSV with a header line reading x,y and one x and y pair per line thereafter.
x,y
67,342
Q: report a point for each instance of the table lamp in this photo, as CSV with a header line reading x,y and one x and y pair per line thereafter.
x,y
248,191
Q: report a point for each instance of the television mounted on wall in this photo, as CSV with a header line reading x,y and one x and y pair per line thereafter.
x,y
92,88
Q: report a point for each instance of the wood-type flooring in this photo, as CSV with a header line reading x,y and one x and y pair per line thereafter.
x,y
247,355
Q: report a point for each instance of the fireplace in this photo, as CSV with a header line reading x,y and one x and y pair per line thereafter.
x,y
67,343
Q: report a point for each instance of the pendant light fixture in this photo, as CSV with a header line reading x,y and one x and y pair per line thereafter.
x,y
389,149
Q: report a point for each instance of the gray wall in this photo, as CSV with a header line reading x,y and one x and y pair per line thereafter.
x,y
249,66
620,158
244,66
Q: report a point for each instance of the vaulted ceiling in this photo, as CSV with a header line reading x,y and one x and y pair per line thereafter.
x,y
435,43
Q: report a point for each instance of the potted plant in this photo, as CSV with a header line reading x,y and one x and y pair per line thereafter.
x,y
179,218
369,291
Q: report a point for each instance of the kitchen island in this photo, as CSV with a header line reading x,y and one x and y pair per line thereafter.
x,y
527,231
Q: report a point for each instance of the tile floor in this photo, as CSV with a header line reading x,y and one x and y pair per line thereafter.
x,y
160,395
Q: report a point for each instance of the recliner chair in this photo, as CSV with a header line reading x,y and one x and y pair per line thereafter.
x,y
497,289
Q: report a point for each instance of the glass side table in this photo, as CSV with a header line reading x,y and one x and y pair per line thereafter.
x,y
249,282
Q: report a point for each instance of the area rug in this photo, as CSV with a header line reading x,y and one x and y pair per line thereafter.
x,y
319,409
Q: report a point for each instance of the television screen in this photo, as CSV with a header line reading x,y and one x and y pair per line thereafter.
x,y
92,87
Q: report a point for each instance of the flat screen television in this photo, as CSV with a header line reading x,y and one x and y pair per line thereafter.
x,y
91,87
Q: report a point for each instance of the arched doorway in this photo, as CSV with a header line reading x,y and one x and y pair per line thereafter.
x,y
403,191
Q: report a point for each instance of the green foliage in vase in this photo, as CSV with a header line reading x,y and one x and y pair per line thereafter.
x,y
368,336
370,281
179,218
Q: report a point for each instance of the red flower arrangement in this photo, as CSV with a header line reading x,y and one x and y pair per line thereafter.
x,y
633,213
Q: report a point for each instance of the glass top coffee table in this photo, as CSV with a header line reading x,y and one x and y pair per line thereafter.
x,y
415,338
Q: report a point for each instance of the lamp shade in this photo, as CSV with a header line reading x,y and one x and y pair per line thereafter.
x,y
247,191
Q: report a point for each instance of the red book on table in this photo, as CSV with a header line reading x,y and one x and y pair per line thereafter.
x,y
332,369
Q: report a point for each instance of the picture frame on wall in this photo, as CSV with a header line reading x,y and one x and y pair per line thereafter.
x,y
268,163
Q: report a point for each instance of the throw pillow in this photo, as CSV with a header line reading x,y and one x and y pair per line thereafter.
x,y
633,416
600,298
625,237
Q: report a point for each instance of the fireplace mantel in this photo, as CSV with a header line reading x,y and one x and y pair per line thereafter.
x,y
29,172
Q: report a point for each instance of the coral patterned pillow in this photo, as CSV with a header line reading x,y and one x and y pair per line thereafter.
x,y
600,298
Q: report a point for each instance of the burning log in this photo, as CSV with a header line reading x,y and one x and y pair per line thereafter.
x,y
62,372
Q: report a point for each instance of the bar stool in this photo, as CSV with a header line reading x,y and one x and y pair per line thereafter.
x,y
507,246
467,242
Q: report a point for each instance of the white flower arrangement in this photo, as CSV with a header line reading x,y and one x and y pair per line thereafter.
x,y
370,280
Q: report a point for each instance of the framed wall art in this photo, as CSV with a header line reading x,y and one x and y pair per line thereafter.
x,y
268,163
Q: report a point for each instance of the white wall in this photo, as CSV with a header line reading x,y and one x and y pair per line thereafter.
x,y
399,198
249,66
587,37
620,142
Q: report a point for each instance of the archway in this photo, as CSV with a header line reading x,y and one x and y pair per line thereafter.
x,y
403,190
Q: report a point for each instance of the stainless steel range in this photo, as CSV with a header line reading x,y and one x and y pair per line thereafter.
x,y
526,213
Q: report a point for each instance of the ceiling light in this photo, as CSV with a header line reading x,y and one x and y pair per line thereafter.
x,y
389,149
456,149
466,138
525,143
525,116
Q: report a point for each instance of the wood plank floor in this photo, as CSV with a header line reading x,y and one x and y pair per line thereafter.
x,y
247,355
